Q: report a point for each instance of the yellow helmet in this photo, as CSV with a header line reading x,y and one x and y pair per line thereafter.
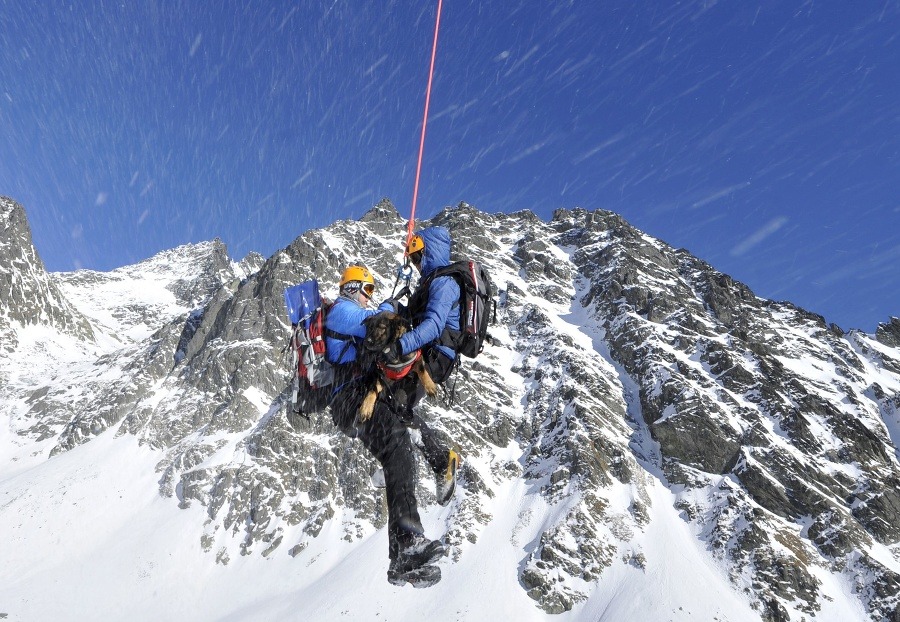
x,y
361,275
416,243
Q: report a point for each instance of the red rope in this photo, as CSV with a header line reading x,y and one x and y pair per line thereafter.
x,y
412,216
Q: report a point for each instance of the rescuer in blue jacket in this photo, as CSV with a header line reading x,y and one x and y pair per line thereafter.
x,y
434,309
344,329
434,312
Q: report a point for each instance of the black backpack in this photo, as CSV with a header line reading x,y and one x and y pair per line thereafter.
x,y
475,306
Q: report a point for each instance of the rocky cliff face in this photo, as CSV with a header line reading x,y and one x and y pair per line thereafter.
x,y
28,295
774,426
619,365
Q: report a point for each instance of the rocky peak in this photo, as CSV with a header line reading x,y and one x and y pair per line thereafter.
x,y
889,333
172,283
28,294
250,264
383,218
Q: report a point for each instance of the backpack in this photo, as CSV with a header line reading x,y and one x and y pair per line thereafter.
x,y
474,306
313,374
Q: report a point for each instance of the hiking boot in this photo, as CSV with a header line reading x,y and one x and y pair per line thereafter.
x,y
423,576
415,561
445,482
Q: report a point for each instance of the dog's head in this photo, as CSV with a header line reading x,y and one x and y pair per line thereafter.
x,y
382,329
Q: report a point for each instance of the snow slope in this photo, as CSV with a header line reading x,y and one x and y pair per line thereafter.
x,y
88,538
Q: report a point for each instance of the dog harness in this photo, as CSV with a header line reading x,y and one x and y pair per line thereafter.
x,y
400,369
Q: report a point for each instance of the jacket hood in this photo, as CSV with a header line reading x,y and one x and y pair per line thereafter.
x,y
437,249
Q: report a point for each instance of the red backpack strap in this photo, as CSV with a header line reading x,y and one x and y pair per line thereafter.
x,y
317,331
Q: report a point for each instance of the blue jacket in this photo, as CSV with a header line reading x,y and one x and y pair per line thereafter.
x,y
443,296
346,317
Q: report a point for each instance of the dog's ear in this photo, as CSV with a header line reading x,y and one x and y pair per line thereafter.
x,y
374,324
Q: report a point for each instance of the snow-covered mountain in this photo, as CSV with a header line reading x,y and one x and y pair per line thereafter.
x,y
644,439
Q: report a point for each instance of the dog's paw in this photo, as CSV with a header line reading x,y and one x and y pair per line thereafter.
x,y
367,408
368,404
426,381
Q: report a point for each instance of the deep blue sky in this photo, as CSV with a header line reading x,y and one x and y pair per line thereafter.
x,y
762,137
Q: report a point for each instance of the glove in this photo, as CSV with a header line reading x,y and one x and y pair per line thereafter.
x,y
393,353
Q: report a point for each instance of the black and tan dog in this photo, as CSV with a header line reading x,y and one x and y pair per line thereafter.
x,y
382,329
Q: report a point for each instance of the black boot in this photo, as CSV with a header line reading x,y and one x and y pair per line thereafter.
x,y
415,560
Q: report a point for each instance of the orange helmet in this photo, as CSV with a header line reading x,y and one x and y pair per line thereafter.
x,y
360,275
416,243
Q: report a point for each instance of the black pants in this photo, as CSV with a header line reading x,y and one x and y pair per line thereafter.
x,y
387,437
406,394
401,399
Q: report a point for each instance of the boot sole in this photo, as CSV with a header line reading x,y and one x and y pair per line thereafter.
x,y
422,577
432,553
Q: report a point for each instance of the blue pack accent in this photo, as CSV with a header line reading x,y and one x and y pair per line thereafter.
x,y
302,301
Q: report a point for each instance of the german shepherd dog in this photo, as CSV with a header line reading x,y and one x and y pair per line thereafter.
x,y
382,329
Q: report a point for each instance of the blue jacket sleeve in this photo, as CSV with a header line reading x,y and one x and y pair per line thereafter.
x,y
443,294
346,317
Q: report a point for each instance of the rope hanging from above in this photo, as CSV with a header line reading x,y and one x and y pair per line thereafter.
x,y
404,271
412,216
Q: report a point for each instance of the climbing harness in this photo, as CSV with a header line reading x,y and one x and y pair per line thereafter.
x,y
399,370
